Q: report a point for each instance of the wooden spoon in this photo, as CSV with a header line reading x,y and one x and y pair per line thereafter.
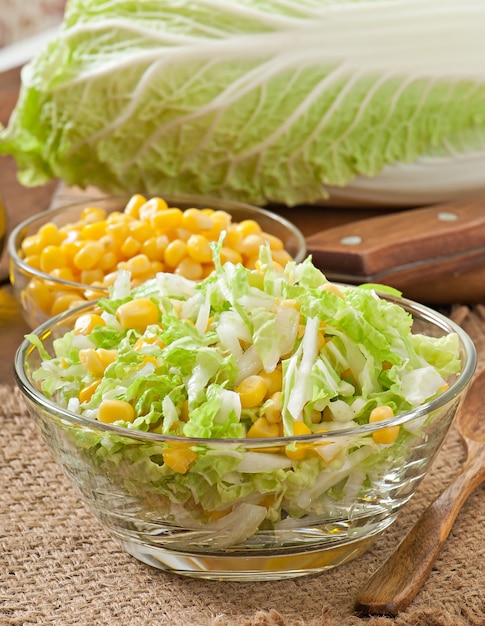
x,y
395,584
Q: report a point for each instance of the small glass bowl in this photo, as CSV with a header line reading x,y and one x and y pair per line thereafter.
x,y
41,296
330,519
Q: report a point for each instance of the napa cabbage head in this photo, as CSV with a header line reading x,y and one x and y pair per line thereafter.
x,y
256,100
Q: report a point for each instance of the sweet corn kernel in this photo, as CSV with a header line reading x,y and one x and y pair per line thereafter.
x,y
130,247
33,261
175,252
333,289
138,313
134,203
93,214
138,265
85,324
298,451
282,257
31,246
49,235
196,220
151,207
273,411
273,380
234,238
93,230
388,434
262,428
178,459
110,411
89,255
64,273
39,293
140,230
165,220
64,302
88,277
189,268
252,391
87,392
274,242
251,245
52,257
248,227
230,255
199,249
118,230
96,361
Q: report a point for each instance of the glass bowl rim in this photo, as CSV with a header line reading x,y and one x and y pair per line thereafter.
x,y
15,236
419,311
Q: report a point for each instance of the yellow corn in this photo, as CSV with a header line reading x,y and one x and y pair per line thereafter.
x,y
138,313
333,289
297,452
166,220
87,392
130,247
140,230
95,361
388,434
52,257
39,294
229,255
262,428
273,412
134,203
65,301
85,324
50,235
251,244
273,380
189,268
199,249
196,220
89,255
178,459
252,391
92,249
138,265
110,411
248,227
92,214
175,252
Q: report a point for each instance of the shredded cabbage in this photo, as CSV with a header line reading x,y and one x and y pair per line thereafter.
x,y
346,354
258,100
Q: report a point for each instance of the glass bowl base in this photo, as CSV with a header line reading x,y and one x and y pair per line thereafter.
x,y
248,568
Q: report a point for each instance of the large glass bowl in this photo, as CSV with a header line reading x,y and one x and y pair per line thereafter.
x,y
334,517
42,296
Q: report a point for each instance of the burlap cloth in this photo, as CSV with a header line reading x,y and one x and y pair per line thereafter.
x,y
60,567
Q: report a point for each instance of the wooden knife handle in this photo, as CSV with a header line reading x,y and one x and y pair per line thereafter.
x,y
396,583
405,247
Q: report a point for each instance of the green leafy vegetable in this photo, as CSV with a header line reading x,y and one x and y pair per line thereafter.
x,y
340,355
257,100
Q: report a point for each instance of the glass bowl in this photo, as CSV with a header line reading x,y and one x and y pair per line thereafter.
x,y
330,518
43,295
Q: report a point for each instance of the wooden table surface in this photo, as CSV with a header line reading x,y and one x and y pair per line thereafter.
x,y
21,202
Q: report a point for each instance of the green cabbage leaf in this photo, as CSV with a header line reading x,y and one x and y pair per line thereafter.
x,y
265,101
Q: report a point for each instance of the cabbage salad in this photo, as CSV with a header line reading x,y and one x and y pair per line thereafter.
x,y
185,360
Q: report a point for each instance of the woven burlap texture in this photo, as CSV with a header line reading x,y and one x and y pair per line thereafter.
x,y
59,566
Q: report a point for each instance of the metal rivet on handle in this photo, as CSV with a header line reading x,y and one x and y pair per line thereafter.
x,y
351,240
447,217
